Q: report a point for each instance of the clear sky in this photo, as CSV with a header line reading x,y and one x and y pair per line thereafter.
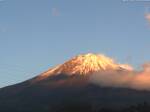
x,y
38,34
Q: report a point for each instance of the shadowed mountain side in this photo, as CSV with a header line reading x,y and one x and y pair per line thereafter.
x,y
56,92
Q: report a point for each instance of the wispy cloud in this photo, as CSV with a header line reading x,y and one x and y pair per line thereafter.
x,y
2,0
55,12
147,16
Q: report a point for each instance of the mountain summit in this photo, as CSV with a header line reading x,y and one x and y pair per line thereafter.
x,y
85,64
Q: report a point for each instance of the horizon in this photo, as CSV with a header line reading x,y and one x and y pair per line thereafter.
x,y
37,35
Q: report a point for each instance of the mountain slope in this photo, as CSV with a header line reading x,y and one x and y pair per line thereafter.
x,y
68,85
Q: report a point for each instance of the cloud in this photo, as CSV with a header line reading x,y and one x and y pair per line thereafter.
x,y
55,12
147,13
147,16
139,80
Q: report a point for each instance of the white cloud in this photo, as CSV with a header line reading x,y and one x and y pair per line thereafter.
x,y
139,80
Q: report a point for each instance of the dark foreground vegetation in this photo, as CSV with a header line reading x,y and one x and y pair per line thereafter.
x,y
145,107
137,108
45,97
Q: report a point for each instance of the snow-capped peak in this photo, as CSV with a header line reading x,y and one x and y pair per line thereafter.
x,y
85,64
88,63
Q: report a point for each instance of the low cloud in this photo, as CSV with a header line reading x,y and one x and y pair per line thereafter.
x,y
139,80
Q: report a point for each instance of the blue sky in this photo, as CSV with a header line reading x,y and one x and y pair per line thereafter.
x,y
38,34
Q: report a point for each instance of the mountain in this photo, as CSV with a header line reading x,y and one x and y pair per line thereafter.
x,y
84,65
67,88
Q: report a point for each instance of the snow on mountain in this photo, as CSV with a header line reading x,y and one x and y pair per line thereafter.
x,y
85,64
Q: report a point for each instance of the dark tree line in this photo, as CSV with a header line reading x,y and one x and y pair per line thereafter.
x,y
144,107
